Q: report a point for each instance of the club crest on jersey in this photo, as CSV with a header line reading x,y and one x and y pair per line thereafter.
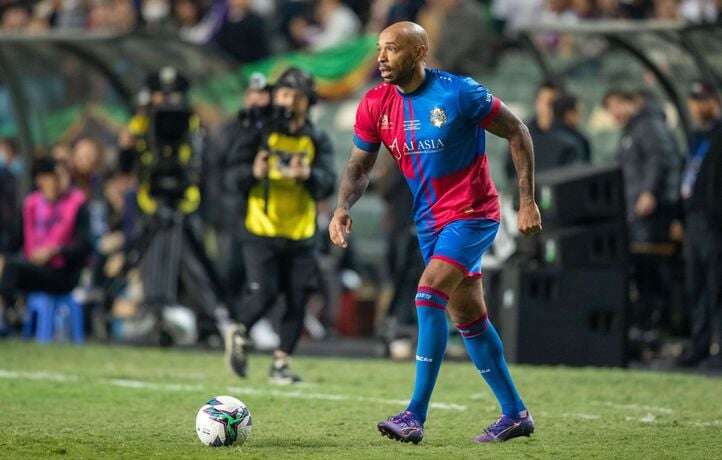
x,y
438,117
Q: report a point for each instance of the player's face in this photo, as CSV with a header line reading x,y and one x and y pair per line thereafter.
x,y
396,59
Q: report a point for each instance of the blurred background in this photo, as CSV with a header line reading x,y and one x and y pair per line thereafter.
x,y
612,281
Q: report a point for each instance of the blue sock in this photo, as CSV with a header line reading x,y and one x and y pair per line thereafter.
x,y
486,351
433,331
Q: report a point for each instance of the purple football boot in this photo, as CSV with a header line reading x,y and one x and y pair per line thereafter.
x,y
402,427
506,428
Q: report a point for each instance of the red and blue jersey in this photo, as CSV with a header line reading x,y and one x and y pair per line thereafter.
x,y
436,135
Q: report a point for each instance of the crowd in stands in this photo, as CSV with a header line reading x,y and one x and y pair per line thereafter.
x,y
252,29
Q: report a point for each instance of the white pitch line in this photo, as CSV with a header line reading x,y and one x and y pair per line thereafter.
x,y
637,407
337,397
583,416
649,418
50,376
140,384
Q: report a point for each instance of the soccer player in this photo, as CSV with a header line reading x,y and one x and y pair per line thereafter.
x,y
432,123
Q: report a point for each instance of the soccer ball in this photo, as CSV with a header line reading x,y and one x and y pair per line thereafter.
x,y
223,421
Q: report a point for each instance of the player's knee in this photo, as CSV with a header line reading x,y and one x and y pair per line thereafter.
x,y
441,276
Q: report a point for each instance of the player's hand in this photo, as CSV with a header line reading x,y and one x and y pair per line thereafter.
x,y
529,219
260,165
339,227
645,205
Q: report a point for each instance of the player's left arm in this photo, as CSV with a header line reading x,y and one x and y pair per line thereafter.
x,y
507,125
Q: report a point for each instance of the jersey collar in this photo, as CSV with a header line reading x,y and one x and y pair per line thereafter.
x,y
422,86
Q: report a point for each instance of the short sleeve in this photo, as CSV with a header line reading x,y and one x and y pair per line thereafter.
x,y
477,103
365,132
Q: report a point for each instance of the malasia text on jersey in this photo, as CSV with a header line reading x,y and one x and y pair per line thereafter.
x,y
421,146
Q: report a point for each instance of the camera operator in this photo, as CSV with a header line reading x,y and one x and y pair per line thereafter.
x,y
287,167
170,144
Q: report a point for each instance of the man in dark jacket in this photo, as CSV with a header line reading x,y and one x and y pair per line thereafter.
x,y
287,166
648,157
553,147
701,192
567,118
10,232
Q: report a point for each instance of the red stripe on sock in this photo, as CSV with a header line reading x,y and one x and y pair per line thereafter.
x,y
428,303
473,323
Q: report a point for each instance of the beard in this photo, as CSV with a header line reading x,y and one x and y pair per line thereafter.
x,y
406,72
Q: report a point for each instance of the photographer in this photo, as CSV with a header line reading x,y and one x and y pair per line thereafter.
x,y
286,167
170,144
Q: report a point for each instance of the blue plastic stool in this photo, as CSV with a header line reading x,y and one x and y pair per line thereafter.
x,y
54,316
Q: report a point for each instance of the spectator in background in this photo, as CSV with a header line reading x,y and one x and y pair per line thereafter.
x,y
156,15
559,11
608,9
648,156
553,146
62,153
15,17
386,12
10,232
584,9
666,10
512,15
699,10
116,16
701,191
197,23
568,118
56,240
243,33
335,24
635,9
10,157
461,40
86,162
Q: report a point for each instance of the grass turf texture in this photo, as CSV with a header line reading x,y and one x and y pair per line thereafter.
x,y
119,402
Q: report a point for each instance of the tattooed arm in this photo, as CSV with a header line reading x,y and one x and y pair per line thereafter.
x,y
508,126
354,181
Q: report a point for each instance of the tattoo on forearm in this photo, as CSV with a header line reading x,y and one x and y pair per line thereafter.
x,y
508,126
355,178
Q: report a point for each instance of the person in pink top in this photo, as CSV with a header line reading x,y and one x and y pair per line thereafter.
x,y
56,239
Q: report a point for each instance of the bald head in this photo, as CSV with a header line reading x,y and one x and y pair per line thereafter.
x,y
402,50
406,32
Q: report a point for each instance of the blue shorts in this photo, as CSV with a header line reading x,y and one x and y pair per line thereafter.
x,y
460,243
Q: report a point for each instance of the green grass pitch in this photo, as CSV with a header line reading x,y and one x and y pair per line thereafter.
x,y
60,401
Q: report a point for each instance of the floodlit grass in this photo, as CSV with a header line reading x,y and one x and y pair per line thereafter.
x,y
119,402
